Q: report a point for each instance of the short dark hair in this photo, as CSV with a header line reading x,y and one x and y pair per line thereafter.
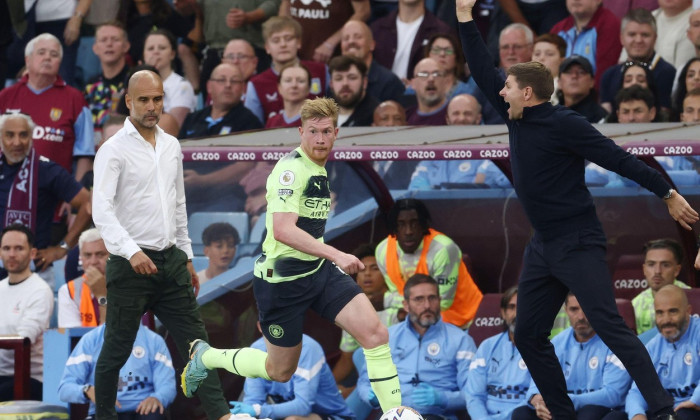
x,y
694,92
18,227
635,93
456,45
507,296
364,251
666,243
533,74
166,33
415,280
218,232
566,299
297,65
407,204
344,62
555,40
641,16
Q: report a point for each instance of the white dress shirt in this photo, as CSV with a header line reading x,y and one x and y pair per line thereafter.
x,y
138,198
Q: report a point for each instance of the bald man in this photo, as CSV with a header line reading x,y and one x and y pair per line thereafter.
x,y
357,40
139,209
674,353
389,114
463,109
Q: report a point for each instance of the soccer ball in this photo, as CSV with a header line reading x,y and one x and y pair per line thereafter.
x,y
401,413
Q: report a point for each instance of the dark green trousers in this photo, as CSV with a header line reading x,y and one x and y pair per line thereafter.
x,y
169,295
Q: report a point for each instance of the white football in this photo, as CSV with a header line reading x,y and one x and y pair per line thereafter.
x,y
401,413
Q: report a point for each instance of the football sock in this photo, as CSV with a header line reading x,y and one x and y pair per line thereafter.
x,y
245,361
383,377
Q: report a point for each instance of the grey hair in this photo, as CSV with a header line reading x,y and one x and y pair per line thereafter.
x,y
29,49
6,117
529,35
90,235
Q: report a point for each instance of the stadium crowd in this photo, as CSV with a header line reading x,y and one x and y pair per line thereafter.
x,y
230,66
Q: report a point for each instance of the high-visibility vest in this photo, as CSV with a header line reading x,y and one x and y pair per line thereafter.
x,y
467,296
89,316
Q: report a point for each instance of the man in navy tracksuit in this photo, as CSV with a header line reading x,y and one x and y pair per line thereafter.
x,y
549,146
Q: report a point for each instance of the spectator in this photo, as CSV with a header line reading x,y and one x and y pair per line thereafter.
x,y
431,375
514,45
688,79
635,104
412,247
293,85
220,241
82,302
431,94
357,40
596,380
577,88
674,354
672,19
103,92
389,114
387,304
637,73
403,33
662,264
146,381
64,129
34,204
694,30
159,51
691,106
320,20
498,378
310,393
592,32
550,50
241,53
638,35
28,304
349,89
396,174
282,41
226,114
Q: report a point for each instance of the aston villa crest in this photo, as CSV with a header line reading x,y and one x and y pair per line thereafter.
x,y
55,114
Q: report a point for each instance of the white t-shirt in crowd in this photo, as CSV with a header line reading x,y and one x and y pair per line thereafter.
x,y
405,33
178,93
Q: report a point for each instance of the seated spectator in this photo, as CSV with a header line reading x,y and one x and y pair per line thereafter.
x,y
635,104
64,130
226,114
694,30
357,40
674,354
103,92
146,381
498,377
27,303
82,302
310,393
691,106
576,88
672,19
431,94
550,50
592,31
159,51
35,197
662,264
220,241
412,247
515,44
636,73
282,41
387,304
349,89
638,34
688,79
396,174
596,380
293,85
431,375
389,114
241,53
411,25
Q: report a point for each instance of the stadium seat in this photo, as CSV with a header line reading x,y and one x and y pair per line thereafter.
x,y
626,310
487,321
256,234
685,178
200,263
199,221
628,277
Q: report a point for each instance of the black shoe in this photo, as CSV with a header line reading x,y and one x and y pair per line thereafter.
x,y
671,416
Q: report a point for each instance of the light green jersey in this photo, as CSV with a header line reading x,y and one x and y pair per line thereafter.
x,y
296,185
643,305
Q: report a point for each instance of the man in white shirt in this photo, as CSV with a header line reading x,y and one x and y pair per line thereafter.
x,y
139,208
672,22
28,303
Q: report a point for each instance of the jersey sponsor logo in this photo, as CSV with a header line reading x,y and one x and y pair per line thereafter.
x,y
593,362
324,3
433,349
48,134
287,178
138,352
275,331
55,114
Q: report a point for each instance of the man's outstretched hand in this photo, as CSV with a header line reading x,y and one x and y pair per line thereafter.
x,y
681,211
464,10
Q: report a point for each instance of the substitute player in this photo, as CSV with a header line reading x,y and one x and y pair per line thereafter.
x,y
298,271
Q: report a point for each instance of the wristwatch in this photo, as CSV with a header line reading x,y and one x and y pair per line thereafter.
x,y
64,245
102,300
669,194
86,388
